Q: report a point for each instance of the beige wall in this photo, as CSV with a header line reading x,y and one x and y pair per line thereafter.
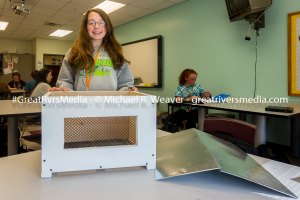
x,y
44,46
16,46
37,47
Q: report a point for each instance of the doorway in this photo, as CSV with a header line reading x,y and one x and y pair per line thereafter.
x,y
53,62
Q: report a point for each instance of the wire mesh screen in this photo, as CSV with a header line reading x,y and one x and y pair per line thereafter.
x,y
99,131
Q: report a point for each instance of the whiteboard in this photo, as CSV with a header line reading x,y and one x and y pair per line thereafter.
x,y
145,58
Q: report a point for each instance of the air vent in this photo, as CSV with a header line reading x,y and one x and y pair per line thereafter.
x,y
51,24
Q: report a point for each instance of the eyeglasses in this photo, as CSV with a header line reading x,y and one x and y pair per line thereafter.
x,y
93,23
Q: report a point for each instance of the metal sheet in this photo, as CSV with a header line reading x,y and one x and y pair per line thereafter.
x,y
296,179
180,154
192,151
235,162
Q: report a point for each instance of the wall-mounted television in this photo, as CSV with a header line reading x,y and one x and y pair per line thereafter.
x,y
241,9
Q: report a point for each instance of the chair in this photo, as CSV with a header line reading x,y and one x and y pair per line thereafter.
x,y
30,133
233,127
4,96
3,136
33,136
222,115
3,128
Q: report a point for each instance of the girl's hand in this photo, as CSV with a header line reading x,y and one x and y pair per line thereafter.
x,y
132,89
55,89
206,95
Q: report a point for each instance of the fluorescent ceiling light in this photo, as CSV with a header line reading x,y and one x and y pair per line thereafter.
x,y
60,33
109,6
3,25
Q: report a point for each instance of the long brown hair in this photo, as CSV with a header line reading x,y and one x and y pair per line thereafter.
x,y
82,50
184,74
4,89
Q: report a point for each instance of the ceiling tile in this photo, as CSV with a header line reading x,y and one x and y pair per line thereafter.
x,y
125,1
89,3
76,9
147,4
43,11
53,4
161,6
130,10
68,13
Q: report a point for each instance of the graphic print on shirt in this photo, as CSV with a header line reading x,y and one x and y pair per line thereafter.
x,y
103,67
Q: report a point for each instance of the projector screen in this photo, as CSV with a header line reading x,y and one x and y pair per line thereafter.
x,y
145,58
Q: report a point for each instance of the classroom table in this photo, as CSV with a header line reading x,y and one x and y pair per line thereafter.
x,y
17,92
258,110
20,179
12,110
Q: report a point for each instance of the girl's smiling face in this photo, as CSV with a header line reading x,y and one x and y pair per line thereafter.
x,y
96,27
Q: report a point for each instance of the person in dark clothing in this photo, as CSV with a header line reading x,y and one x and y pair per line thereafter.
x,y
16,83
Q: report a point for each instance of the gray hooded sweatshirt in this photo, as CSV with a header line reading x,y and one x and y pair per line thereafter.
x,y
104,78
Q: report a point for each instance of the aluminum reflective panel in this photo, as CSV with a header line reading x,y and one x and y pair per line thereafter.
x,y
296,179
235,162
192,151
182,153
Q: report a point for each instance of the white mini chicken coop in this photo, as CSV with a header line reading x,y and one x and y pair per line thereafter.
x,y
97,130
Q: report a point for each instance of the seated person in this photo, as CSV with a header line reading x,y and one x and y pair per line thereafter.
x,y
16,83
187,90
42,86
29,86
4,90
